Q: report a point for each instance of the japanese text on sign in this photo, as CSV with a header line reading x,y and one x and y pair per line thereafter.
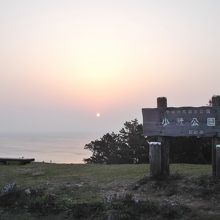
x,y
183,121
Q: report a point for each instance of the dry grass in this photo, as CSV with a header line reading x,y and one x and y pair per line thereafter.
x,y
78,191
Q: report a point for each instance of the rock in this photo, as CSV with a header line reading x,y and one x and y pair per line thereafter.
x,y
38,173
27,191
9,195
8,188
78,184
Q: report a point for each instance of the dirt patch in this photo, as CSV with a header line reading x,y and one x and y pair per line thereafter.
x,y
201,195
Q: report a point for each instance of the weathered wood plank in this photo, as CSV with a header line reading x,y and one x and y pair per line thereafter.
x,y
18,160
183,121
155,159
214,143
165,150
217,170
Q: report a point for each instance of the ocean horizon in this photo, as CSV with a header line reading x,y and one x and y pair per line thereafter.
x,y
47,147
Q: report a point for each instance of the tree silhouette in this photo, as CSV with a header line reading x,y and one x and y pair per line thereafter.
x,y
130,146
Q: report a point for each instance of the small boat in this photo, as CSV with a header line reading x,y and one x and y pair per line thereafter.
x,y
16,160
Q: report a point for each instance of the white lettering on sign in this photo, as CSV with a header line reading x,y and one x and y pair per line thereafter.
x,y
196,132
208,111
165,122
183,111
190,112
194,122
180,121
201,132
210,122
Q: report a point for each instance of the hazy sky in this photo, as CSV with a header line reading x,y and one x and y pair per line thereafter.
x,y
63,61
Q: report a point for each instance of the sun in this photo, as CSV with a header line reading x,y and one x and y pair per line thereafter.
x,y
98,115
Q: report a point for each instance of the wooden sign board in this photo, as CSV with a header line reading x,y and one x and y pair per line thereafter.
x,y
183,121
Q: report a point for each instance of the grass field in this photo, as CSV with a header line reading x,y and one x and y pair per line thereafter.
x,y
41,173
44,189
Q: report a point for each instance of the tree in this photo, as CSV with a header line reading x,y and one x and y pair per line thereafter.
x,y
129,146
135,144
190,150
104,150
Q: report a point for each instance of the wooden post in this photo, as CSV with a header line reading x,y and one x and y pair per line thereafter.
x,y
161,102
155,159
214,143
216,157
165,151
165,147
215,140
217,174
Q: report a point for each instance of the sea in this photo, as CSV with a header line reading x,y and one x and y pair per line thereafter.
x,y
47,147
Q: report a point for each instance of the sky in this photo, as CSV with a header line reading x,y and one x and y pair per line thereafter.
x,y
62,62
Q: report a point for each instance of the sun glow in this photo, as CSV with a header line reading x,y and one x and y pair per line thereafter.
x,y
93,68
98,115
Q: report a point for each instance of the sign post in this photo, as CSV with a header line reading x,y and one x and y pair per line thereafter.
x,y
155,159
165,148
164,122
217,161
215,141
